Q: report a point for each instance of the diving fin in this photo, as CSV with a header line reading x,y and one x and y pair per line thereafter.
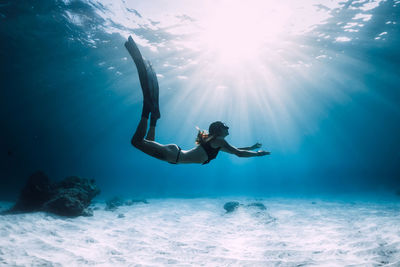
x,y
147,77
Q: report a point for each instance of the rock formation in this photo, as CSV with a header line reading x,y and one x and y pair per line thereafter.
x,y
231,206
70,197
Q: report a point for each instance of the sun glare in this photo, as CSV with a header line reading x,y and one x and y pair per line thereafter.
x,y
244,51
238,30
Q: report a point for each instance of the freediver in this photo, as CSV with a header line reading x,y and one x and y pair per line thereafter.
x,y
207,144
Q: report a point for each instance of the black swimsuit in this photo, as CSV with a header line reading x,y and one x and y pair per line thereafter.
x,y
211,152
177,156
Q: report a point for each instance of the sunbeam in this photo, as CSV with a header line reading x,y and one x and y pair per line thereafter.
x,y
237,31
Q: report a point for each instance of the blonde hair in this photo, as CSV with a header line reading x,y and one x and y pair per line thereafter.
x,y
203,136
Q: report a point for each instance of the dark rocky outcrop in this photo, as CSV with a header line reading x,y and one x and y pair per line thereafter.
x,y
231,206
70,197
35,193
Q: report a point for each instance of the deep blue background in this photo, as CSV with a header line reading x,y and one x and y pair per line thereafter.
x,y
63,112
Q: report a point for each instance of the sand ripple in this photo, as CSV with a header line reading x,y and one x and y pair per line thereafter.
x,y
188,232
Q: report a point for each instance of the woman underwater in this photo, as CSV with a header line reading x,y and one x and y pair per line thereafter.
x,y
208,144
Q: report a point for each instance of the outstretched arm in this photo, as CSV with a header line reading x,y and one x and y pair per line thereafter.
x,y
255,146
226,147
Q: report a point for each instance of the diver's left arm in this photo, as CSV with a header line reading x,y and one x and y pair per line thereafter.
x,y
255,146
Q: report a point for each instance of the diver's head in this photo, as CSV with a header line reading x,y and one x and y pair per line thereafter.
x,y
218,128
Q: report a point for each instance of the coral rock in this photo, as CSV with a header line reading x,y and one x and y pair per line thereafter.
x,y
231,206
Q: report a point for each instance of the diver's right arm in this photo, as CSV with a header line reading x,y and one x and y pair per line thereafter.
x,y
226,147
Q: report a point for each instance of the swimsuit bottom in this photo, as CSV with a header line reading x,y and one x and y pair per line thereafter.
x,y
177,156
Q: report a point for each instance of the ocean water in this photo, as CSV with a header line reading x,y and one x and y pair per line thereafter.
x,y
316,82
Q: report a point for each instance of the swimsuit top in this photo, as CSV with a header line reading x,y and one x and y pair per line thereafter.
x,y
211,152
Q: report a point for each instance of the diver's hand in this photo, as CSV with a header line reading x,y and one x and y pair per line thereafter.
x,y
263,153
255,146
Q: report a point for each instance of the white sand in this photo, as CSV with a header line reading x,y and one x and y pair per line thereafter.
x,y
193,232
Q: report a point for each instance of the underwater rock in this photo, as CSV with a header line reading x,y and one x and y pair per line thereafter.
x,y
86,186
64,205
70,197
34,194
113,203
258,205
121,215
231,206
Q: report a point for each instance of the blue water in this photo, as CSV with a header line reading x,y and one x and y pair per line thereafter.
x,y
325,100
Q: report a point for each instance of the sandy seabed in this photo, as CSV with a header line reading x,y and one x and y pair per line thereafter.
x,y
198,232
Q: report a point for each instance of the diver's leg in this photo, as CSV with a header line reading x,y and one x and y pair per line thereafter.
x,y
163,152
149,84
150,147
138,137
151,134
152,130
